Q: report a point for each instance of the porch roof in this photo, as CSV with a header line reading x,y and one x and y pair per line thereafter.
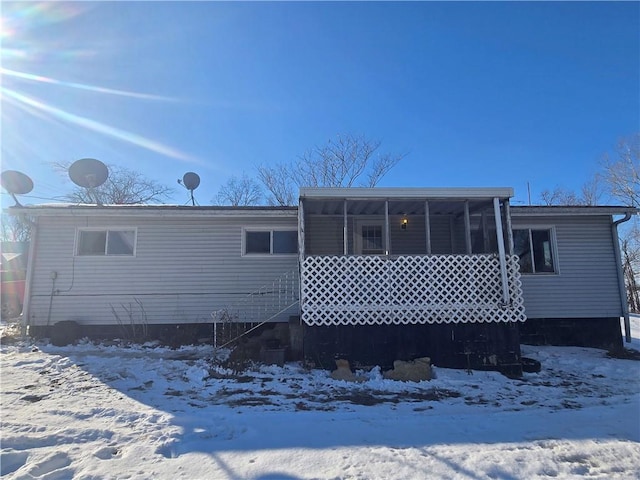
x,y
402,201
406,193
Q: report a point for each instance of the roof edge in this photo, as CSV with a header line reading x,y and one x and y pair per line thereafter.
x,y
577,210
363,193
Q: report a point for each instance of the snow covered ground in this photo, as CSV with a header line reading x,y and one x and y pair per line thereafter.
x,y
141,412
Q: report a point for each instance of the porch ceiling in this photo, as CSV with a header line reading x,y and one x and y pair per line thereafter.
x,y
396,207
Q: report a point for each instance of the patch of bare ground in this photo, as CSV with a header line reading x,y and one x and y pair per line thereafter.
x,y
625,354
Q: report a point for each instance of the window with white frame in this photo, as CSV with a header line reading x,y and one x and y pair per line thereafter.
x,y
535,248
97,242
270,242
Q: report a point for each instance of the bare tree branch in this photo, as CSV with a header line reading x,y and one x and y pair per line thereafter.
x,y
241,191
15,228
345,161
278,182
622,171
123,187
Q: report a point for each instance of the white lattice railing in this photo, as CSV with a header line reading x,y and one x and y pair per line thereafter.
x,y
372,290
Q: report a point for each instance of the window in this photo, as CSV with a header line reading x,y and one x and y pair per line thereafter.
x,y
372,239
269,242
369,236
106,242
534,247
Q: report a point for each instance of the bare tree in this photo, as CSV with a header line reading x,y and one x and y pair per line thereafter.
x,y
590,194
279,183
241,191
621,174
15,228
123,187
622,171
346,161
559,196
630,249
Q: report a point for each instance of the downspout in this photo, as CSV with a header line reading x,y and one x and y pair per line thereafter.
x,y
623,290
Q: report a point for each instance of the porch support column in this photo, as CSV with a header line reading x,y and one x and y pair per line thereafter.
x,y
301,232
507,219
386,230
485,232
427,227
501,254
467,227
345,228
301,273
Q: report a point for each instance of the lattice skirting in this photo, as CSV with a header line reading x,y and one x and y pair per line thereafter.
x,y
376,290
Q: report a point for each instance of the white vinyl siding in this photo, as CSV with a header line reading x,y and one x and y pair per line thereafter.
x,y
586,285
183,270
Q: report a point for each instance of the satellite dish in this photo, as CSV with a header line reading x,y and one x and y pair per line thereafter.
x,y
88,173
16,183
190,181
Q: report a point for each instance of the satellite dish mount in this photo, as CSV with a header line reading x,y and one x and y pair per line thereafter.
x,y
16,183
190,181
89,173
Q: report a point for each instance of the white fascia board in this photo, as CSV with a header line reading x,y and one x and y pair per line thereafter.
x,y
404,193
550,211
155,211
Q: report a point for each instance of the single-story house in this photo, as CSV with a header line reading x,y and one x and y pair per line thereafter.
x,y
369,274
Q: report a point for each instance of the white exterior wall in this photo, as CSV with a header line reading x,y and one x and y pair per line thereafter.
x,y
586,285
183,269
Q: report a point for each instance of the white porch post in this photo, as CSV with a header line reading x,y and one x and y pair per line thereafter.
x,y
345,228
485,232
386,230
507,217
301,232
467,228
301,273
501,254
427,227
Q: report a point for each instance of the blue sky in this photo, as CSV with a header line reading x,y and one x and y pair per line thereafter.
x,y
477,94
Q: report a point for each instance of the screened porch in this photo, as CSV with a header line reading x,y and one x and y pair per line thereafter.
x,y
407,256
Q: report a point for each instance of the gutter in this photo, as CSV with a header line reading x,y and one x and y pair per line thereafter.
x,y
624,301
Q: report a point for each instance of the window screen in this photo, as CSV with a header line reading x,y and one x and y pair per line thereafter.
x,y
534,248
92,242
258,242
120,242
106,242
271,241
285,241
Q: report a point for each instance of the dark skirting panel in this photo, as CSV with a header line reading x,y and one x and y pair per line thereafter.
x,y
602,333
478,346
